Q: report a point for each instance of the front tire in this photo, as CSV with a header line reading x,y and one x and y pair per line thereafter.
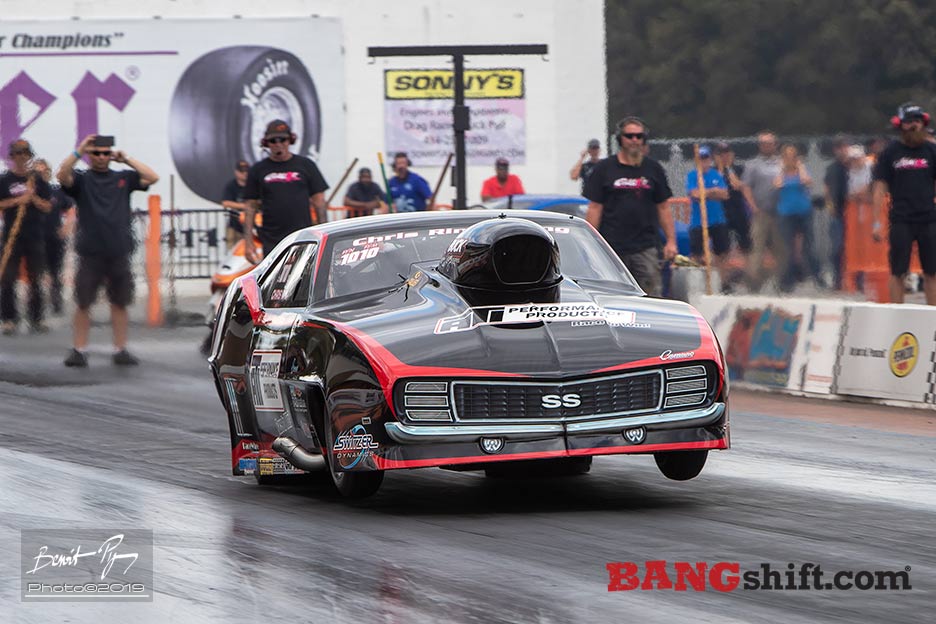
x,y
681,465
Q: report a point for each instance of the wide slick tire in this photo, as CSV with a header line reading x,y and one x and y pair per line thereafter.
x,y
221,105
681,465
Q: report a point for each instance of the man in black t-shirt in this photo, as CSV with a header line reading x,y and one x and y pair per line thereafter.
x,y
737,215
285,187
232,199
836,196
586,163
104,239
54,234
365,196
24,199
907,169
627,195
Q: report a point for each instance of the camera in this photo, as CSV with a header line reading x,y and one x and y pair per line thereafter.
x,y
103,141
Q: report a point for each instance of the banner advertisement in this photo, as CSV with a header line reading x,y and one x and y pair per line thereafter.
x,y
189,97
418,115
887,351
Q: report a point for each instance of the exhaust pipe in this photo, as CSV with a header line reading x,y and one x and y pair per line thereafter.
x,y
302,459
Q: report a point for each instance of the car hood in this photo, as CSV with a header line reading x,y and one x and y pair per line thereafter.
x,y
427,323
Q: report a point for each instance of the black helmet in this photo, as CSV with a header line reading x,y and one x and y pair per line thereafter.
x,y
504,260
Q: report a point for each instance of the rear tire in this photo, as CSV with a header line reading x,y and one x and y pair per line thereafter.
x,y
681,465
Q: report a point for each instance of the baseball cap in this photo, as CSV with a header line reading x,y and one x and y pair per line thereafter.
x,y
20,145
705,152
594,144
721,148
242,165
364,170
501,162
277,128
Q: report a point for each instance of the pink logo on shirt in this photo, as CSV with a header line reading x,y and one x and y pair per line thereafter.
x,y
632,183
285,176
911,163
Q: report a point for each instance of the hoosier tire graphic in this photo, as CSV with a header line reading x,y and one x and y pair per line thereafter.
x,y
222,104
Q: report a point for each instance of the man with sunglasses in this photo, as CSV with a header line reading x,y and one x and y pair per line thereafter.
x,y
627,195
285,187
104,239
24,197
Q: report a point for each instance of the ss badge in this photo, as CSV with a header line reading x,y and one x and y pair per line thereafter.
x,y
635,436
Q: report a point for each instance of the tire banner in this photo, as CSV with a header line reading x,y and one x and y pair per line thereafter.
x,y
418,115
888,351
188,97
789,345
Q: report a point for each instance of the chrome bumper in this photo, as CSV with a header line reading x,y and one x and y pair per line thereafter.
x,y
457,432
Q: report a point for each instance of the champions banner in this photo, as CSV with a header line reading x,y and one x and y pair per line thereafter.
x,y
189,97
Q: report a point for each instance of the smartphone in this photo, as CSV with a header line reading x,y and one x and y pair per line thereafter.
x,y
103,141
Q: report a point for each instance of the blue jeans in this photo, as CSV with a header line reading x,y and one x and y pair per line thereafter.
x,y
790,226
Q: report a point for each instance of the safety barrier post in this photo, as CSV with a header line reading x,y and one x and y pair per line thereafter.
x,y
154,315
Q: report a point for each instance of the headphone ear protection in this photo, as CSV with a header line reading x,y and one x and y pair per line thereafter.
x,y
897,119
619,130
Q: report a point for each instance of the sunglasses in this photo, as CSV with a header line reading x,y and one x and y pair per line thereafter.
x,y
277,140
633,135
21,153
100,152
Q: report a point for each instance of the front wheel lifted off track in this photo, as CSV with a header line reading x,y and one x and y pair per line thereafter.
x,y
681,465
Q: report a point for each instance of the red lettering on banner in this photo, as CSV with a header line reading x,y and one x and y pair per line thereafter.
x,y
730,583
656,572
622,576
695,576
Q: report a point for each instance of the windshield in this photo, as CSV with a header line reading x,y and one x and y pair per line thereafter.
x,y
383,258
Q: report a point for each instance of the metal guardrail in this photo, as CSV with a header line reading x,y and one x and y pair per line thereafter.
x,y
192,241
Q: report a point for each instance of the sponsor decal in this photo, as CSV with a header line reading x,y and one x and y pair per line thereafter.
x,y
911,163
761,344
903,354
264,380
633,183
249,446
552,401
637,435
353,446
536,313
283,176
428,84
247,465
669,355
265,466
492,446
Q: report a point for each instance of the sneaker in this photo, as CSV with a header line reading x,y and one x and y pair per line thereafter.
x,y
8,328
38,328
76,359
124,358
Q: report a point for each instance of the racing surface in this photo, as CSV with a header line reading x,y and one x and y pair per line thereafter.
x,y
850,487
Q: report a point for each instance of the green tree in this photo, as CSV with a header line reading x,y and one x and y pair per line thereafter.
x,y
732,67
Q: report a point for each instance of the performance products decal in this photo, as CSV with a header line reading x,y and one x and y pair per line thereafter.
x,y
575,313
264,381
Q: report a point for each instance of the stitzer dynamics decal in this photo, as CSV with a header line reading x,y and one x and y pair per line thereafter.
x,y
353,446
264,381
578,314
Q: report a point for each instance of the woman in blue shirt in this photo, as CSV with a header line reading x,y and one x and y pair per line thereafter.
x,y
794,207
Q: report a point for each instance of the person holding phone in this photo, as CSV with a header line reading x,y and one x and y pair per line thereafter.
x,y
104,239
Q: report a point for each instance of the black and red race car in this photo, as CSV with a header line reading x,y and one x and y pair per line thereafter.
x,y
468,340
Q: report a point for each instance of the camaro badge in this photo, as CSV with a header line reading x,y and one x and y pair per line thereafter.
x,y
492,445
635,436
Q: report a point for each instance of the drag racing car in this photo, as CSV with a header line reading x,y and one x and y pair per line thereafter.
x,y
468,340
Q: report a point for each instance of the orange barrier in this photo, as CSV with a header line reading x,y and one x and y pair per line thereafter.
x,y
154,316
682,209
866,257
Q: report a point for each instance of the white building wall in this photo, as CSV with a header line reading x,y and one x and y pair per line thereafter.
x,y
565,96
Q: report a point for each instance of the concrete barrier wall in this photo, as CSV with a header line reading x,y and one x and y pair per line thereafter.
x,y
828,347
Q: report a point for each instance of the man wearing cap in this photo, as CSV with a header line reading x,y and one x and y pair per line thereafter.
x,y
104,240
584,166
907,170
24,198
737,215
502,184
365,196
232,198
285,188
409,190
716,192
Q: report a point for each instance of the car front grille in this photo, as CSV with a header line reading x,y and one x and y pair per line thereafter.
x,y
602,396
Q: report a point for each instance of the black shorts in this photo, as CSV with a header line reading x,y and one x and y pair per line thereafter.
x,y
93,271
902,236
718,238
